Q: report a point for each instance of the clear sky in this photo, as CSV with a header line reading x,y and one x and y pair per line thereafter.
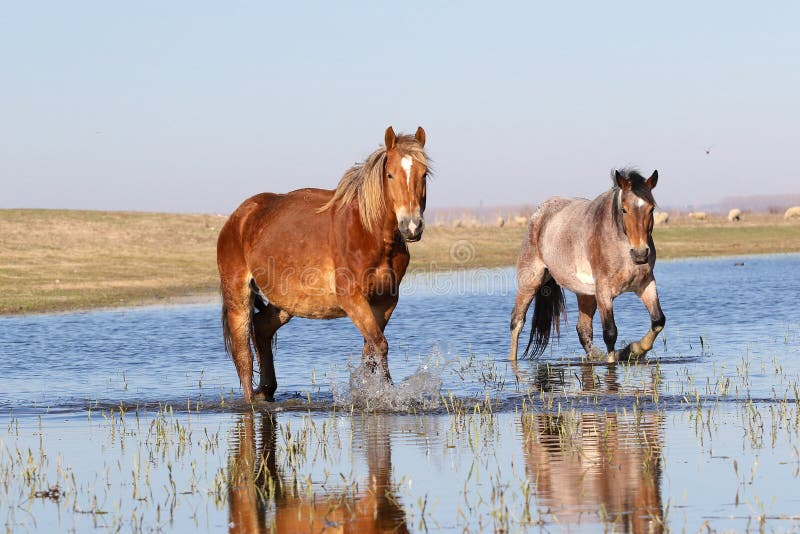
x,y
193,106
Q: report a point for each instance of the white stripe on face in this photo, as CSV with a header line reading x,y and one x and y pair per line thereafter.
x,y
406,163
640,203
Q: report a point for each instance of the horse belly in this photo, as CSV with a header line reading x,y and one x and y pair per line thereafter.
x,y
308,302
580,282
571,269
584,284
318,309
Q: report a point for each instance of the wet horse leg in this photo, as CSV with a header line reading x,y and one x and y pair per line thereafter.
x,y
382,314
587,306
265,324
529,280
237,308
649,296
376,348
605,303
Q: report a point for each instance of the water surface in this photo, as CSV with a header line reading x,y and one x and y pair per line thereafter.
x,y
136,416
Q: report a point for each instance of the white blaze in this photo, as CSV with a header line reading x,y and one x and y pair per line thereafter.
x,y
640,203
406,163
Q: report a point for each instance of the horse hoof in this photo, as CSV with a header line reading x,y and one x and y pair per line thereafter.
x,y
632,352
596,355
262,395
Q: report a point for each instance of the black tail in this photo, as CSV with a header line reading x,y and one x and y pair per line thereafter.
x,y
548,305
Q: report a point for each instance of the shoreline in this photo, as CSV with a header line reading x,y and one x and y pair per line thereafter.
x,y
54,261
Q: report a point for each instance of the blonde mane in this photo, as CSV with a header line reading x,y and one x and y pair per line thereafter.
x,y
364,181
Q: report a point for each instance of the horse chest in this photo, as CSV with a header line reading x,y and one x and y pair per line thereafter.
x,y
384,277
384,281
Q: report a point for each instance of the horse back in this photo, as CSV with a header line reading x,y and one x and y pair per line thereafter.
x,y
559,235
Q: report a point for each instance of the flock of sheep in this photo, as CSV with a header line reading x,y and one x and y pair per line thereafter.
x,y
734,215
660,218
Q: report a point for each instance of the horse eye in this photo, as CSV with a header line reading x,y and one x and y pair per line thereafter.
x,y
624,211
389,175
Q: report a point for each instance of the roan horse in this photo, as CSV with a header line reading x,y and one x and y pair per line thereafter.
x,y
322,254
598,249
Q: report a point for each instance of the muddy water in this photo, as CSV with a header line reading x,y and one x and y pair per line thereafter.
x,y
132,418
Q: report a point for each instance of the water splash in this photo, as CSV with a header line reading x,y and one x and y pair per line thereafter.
x,y
368,391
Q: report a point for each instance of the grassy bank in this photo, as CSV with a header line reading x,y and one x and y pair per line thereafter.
x,y
57,260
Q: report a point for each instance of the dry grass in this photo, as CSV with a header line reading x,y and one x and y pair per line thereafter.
x,y
56,260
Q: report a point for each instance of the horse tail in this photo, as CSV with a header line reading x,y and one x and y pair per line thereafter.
x,y
226,331
256,305
227,335
548,305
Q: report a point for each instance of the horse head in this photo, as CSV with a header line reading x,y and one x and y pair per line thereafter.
x,y
635,205
405,177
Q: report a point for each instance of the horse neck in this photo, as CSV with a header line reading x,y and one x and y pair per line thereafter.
x,y
605,210
384,230
389,231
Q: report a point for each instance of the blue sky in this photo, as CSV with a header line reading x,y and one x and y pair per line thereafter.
x,y
193,106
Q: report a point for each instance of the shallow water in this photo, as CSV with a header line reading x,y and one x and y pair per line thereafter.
x,y
463,441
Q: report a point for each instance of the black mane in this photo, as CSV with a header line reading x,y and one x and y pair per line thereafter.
x,y
638,182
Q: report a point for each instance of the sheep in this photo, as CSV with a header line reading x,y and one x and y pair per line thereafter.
x,y
735,215
698,215
792,213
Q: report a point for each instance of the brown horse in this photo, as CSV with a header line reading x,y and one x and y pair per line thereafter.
x,y
598,249
261,498
322,254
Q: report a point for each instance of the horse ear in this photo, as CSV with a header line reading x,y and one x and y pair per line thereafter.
x,y
420,136
653,180
390,138
622,181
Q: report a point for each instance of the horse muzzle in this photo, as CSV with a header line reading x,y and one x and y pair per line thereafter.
x,y
640,256
411,228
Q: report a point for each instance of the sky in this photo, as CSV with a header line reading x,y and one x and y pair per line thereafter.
x,y
194,106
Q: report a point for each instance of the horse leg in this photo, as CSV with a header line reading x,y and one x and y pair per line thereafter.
x,y
587,306
376,348
649,296
382,315
605,303
265,324
529,280
237,314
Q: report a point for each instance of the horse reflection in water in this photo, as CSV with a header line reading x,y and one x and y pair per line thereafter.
x,y
261,499
589,465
